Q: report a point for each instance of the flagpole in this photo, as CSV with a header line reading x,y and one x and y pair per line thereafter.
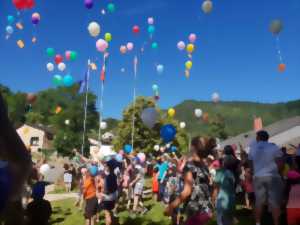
x,y
101,102
85,108
135,62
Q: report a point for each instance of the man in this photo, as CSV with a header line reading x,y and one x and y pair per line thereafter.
x,y
265,159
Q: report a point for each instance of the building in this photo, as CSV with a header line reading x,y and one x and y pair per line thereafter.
x,y
36,137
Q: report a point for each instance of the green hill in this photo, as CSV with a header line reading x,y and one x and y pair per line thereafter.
x,y
238,116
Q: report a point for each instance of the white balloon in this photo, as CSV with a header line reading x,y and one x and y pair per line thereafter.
x,y
198,113
122,70
156,147
103,125
182,125
215,97
44,169
50,67
61,67
67,122
207,6
94,29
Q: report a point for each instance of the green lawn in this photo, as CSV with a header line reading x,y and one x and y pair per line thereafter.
x,y
65,213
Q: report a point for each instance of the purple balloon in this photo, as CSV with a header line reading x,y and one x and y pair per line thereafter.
x,y
35,21
88,4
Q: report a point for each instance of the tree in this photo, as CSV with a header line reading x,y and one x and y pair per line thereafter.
x,y
144,138
34,118
217,127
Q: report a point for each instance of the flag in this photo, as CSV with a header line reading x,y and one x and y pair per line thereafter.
x,y
258,124
102,75
83,84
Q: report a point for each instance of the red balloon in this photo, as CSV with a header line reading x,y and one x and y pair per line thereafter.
x,y
30,4
136,29
20,4
58,59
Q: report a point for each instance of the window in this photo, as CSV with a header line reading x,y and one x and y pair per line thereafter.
x,y
34,141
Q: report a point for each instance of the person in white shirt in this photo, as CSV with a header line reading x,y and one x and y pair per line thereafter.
x,y
265,159
68,180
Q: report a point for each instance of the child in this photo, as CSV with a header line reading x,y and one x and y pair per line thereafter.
x,y
155,185
89,193
68,180
248,187
39,210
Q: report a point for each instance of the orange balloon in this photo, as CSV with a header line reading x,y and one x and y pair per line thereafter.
x,y
205,117
281,67
58,109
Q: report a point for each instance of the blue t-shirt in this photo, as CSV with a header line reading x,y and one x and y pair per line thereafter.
x,y
162,169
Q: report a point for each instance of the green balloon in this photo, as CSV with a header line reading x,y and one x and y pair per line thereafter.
x,y
111,7
57,80
73,56
50,52
154,45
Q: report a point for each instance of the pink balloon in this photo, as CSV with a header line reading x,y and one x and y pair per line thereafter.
x,y
192,38
101,45
181,45
142,157
129,46
123,49
150,21
121,152
68,55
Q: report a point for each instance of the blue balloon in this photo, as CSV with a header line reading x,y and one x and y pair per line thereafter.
x,y
151,29
173,149
9,29
10,19
155,87
119,157
93,171
160,68
68,80
128,149
168,133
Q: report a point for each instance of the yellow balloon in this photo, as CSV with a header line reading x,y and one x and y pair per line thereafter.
x,y
189,65
171,112
108,37
190,48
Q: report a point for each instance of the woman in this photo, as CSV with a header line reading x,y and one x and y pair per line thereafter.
x,y
196,192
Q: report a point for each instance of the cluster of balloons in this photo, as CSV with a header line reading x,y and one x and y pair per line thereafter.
x,y
275,28
24,4
89,4
155,89
9,28
151,31
190,48
66,81
207,6
126,48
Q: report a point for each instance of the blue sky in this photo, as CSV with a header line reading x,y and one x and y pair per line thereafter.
x,y
235,52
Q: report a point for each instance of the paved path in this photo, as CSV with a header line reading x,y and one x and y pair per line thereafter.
x,y
57,197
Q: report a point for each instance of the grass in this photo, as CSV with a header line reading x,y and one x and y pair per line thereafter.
x,y
64,213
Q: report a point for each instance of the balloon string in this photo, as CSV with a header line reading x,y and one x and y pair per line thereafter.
x,y
85,107
135,62
278,49
101,103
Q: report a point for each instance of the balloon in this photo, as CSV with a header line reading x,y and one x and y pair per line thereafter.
x,y
61,67
182,125
198,113
156,97
73,56
119,157
24,4
154,45
155,87
207,6
31,98
10,19
151,29
93,171
68,80
168,133
94,29
50,67
215,97
108,37
57,80
20,43
160,68
181,45
205,117
150,20
58,109
35,18
149,117
142,157
192,38
173,149
129,46
58,59
171,112
156,148
50,52
123,49
103,12
190,48
44,169
123,70
68,55
276,26
9,29
103,125
281,67
67,122
135,29
127,149
101,45
88,4
189,65
111,8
